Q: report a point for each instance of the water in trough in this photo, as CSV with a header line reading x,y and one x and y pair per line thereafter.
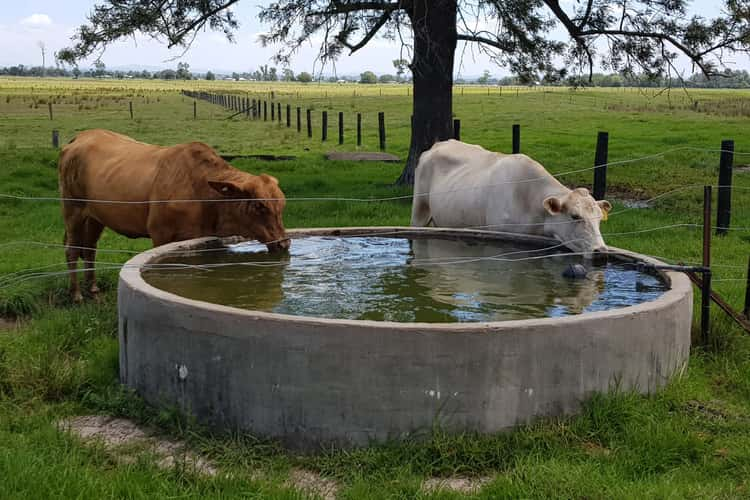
x,y
396,279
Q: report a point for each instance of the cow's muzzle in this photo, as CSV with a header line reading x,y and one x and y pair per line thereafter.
x,y
277,246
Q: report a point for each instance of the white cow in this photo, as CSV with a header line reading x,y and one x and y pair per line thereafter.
x,y
464,185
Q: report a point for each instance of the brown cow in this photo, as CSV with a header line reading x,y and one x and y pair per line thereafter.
x,y
101,166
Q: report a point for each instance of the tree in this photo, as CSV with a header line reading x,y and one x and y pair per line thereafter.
x,y
637,36
304,77
210,76
401,66
485,78
287,75
368,77
183,71
99,68
386,78
76,72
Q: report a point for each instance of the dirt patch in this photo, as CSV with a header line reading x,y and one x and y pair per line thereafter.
x,y
230,157
595,449
8,325
123,438
713,410
363,156
312,482
741,169
466,485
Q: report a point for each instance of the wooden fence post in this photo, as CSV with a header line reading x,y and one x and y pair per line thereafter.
x,y
516,139
381,129
195,110
278,112
265,111
49,105
746,310
273,112
724,196
359,129
341,127
131,109
309,124
55,139
324,126
457,129
288,115
299,120
600,165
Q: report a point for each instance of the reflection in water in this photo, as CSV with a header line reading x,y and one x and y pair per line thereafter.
x,y
395,279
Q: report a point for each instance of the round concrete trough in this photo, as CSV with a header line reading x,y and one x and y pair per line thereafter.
x,y
311,381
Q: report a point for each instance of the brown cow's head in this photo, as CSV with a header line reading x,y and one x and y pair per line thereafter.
x,y
256,214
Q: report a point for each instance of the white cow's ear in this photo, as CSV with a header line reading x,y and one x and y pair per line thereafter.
x,y
604,205
228,189
553,205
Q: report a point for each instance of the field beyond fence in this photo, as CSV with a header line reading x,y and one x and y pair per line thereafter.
x,y
691,439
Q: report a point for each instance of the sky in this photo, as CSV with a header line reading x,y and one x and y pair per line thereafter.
x,y
24,24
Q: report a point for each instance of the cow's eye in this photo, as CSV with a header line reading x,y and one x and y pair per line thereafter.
x,y
576,217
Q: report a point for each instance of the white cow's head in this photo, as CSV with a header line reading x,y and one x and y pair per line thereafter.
x,y
573,219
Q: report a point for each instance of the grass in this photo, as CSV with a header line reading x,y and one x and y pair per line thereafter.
x,y
690,440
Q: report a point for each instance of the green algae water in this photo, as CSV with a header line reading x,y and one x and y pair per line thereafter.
x,y
396,279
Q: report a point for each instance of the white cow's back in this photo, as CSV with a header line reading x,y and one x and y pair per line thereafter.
x,y
462,185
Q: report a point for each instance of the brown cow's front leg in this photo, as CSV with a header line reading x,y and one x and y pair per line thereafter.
x,y
93,230
72,253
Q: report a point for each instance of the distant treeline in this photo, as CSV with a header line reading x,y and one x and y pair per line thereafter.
x,y
100,71
739,79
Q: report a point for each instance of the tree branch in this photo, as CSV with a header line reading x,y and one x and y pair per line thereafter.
x,y
200,21
373,31
343,8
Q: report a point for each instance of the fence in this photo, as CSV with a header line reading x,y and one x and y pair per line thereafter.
x,y
251,108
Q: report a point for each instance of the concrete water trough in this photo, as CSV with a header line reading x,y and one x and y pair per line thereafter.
x,y
311,381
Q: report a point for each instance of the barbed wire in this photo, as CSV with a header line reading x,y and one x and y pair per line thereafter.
x,y
364,200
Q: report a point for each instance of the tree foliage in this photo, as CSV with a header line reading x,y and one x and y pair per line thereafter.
x,y
626,36
304,77
368,77
183,71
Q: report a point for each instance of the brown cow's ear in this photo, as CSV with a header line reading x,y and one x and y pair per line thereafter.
x,y
270,178
553,205
228,189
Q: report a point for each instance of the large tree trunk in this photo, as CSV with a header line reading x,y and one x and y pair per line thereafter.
x,y
434,26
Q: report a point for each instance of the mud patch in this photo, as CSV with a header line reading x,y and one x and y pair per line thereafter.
x,y
124,439
466,485
634,203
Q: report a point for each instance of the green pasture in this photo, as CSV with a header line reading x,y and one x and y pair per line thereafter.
x,y
690,440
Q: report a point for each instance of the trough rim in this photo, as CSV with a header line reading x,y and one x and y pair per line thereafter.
x,y
130,276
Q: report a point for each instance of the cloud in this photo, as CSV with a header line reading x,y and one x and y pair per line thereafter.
x,y
36,20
